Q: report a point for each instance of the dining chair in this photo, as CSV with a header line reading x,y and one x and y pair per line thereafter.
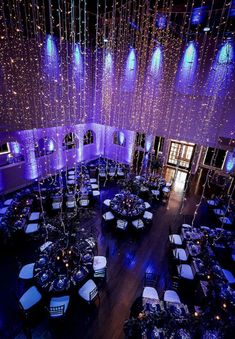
x,y
32,228
44,246
56,205
89,291
30,298
71,202
107,202
27,271
175,239
34,216
8,202
148,216
108,216
121,224
150,279
59,306
84,201
99,266
171,296
149,290
186,226
138,224
180,254
96,193
185,271
147,205
229,276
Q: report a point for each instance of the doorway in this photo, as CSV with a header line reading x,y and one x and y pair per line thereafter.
x,y
181,154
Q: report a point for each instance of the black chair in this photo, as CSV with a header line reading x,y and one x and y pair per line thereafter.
x,y
57,311
93,295
150,279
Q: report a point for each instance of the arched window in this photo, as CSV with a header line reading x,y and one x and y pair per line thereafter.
x,y
140,140
11,152
119,138
4,148
16,151
88,137
44,146
70,141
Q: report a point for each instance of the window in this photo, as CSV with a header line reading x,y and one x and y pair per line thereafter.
x,y
119,138
44,146
88,137
4,148
16,151
70,141
214,157
158,144
140,140
180,154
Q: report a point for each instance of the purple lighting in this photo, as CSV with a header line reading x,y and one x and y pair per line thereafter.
x,y
156,63
51,57
121,138
107,81
230,162
130,71
187,71
221,70
77,59
198,15
15,147
161,22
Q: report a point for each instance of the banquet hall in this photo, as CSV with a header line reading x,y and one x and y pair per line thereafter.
x,y
117,169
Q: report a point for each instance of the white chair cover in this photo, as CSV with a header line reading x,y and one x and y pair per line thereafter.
x,y
99,263
59,301
185,271
150,292
175,239
31,228
30,298
86,289
26,271
106,202
138,224
171,296
108,216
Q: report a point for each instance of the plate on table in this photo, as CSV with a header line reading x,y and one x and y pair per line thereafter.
x,y
211,334
175,310
80,274
187,234
87,257
156,333
182,334
154,308
60,283
44,277
42,261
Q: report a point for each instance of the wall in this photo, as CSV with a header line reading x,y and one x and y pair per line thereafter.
x,y
118,153
20,174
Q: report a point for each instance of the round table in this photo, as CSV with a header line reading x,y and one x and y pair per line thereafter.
x,y
127,205
62,266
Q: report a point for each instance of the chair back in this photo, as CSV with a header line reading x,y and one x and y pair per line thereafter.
x,y
93,294
84,196
71,198
57,199
56,311
150,279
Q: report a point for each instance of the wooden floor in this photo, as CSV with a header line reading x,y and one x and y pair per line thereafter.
x,y
129,257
